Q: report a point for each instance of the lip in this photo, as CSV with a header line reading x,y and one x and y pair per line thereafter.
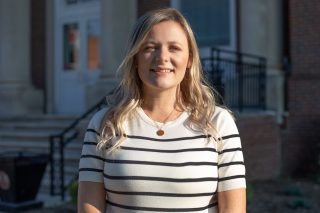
x,y
162,70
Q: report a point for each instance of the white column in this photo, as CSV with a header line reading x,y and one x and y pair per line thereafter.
x,y
261,34
118,17
16,93
274,48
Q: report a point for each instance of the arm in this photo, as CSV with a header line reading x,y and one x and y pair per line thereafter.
x,y
231,170
91,197
232,201
91,191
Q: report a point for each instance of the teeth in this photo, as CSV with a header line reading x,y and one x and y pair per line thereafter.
x,y
162,70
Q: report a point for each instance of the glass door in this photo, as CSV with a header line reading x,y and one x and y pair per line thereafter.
x,y
77,56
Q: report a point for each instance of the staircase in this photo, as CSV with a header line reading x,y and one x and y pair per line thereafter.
x,y
31,134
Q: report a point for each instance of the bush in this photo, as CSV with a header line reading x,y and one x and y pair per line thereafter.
x,y
249,192
73,191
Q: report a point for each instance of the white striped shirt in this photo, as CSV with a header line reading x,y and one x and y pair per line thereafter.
x,y
181,171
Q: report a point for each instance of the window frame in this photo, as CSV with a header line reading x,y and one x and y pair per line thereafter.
x,y
232,25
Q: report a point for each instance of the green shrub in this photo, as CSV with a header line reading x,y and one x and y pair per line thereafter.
x,y
73,191
249,192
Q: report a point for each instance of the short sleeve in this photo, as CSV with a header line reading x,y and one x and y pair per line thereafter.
x,y
231,168
92,160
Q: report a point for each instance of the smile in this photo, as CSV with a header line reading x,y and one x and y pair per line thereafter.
x,y
162,70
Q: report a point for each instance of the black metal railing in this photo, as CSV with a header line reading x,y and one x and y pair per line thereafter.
x,y
239,78
58,142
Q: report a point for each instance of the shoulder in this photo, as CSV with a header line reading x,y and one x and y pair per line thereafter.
x,y
97,118
222,114
223,121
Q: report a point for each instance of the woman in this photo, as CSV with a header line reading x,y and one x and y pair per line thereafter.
x,y
162,145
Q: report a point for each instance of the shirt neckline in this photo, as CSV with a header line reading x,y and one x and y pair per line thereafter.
x,y
180,119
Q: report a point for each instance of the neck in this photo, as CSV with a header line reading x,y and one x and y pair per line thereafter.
x,y
158,106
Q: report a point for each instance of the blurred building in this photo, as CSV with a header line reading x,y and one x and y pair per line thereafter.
x,y
59,57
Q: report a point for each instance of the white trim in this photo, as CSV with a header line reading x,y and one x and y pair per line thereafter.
x,y
73,83
233,25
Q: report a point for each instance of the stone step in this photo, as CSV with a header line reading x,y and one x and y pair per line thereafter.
x,y
71,173
52,201
31,134
55,127
42,117
71,150
27,135
70,157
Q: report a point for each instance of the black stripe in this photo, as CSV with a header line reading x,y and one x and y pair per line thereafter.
x,y
90,143
138,208
92,156
161,163
151,162
90,170
231,177
94,131
179,180
230,150
161,194
231,163
229,136
168,139
169,151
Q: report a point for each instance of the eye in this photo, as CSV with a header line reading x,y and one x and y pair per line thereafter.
x,y
175,48
149,48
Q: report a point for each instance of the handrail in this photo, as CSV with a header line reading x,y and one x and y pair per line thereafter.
x,y
63,140
232,52
240,78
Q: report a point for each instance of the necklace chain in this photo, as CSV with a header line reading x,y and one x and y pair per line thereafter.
x,y
160,131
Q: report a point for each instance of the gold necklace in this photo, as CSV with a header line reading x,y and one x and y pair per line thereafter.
x,y
160,131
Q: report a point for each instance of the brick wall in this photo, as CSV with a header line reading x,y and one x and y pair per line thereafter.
x,y
147,5
261,143
302,134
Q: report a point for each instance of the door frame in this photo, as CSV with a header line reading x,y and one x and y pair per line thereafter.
x,y
79,13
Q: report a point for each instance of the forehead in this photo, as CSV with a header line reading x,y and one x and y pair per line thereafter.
x,y
167,30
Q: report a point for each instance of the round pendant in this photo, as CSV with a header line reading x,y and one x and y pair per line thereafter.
x,y
160,132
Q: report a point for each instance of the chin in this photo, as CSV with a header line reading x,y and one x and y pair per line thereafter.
x,y
165,87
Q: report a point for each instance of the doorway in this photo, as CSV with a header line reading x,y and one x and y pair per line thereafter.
x,y
77,53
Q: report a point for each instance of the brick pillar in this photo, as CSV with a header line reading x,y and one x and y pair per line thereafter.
x,y
302,134
147,5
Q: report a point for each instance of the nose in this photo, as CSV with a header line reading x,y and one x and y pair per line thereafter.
x,y
162,55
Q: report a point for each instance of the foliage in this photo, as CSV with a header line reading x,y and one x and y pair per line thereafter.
x,y
73,191
249,192
299,203
293,191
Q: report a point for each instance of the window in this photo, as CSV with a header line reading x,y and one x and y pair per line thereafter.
x,y
211,20
71,46
74,2
93,44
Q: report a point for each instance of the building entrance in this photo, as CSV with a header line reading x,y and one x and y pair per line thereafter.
x,y
77,53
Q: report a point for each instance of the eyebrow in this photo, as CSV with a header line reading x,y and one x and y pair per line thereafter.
x,y
155,43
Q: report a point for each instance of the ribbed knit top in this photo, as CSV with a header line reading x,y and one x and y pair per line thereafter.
x,y
181,171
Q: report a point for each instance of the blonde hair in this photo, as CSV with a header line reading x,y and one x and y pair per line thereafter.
x,y
197,96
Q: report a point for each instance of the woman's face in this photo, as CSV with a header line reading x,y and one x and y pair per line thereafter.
x,y
163,58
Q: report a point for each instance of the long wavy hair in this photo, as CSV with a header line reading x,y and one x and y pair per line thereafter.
x,y
195,93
